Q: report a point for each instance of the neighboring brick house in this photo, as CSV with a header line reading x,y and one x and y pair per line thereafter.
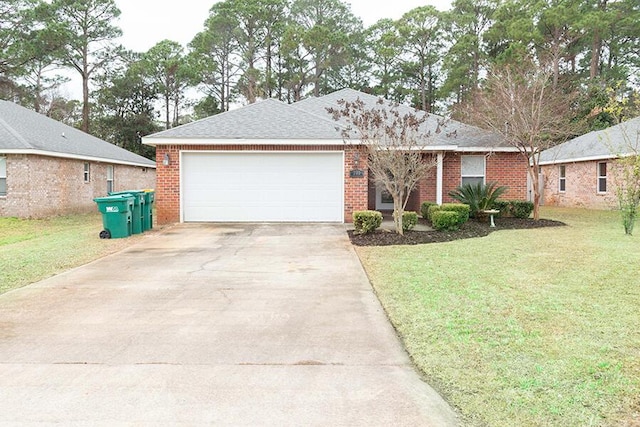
x,y
582,172
272,161
48,168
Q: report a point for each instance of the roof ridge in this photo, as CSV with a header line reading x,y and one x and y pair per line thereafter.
x,y
14,132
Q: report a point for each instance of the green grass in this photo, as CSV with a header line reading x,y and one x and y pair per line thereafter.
x,y
526,327
31,250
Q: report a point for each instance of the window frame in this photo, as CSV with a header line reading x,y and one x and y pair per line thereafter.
x,y
602,179
110,178
473,176
86,172
3,176
562,178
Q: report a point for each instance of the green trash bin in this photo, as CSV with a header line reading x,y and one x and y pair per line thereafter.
x,y
116,216
147,210
136,214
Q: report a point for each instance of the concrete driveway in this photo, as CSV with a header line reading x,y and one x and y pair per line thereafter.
x,y
211,325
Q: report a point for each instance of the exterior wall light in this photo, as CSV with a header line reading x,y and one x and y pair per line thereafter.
x,y
166,161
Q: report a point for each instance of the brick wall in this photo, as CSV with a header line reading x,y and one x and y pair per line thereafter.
x,y
41,186
581,186
168,181
506,168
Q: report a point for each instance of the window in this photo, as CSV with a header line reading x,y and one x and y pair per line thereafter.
x,y
3,176
472,169
562,178
602,177
87,172
109,178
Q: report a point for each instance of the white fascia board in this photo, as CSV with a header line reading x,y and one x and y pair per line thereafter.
x,y
76,157
243,141
488,149
578,159
427,149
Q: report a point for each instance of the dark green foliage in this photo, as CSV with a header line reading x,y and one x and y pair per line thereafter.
x,y
503,207
445,220
366,221
409,220
478,196
461,209
520,208
424,209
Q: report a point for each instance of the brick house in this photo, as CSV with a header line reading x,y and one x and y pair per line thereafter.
x,y
48,168
582,172
276,162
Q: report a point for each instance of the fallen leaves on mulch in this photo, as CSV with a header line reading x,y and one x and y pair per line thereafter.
x,y
468,230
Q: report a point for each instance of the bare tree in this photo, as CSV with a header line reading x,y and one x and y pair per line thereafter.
x,y
520,104
395,141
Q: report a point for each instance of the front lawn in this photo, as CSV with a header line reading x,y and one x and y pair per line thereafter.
x,y
31,250
534,327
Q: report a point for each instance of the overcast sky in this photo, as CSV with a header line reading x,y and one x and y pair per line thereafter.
x,y
147,22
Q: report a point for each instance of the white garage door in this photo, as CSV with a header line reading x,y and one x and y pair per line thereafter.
x,y
262,187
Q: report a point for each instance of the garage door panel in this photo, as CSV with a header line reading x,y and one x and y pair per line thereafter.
x,y
254,187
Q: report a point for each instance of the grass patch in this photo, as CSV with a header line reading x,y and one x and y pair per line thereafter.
x,y
31,250
523,327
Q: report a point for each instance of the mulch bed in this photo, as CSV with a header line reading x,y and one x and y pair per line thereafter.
x,y
468,230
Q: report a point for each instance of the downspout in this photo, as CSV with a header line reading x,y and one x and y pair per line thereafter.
x,y
439,177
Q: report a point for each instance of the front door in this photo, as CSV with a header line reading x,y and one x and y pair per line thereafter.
x,y
384,201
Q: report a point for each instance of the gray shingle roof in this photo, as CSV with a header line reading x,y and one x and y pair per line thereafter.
x,y
454,133
309,120
268,119
23,130
622,139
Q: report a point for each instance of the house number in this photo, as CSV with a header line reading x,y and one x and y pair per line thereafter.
x,y
356,173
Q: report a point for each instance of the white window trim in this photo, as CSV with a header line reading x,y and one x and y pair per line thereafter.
x,y
562,179
606,183
112,178
3,158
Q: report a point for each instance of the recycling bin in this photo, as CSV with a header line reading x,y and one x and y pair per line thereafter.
x,y
116,216
136,214
147,210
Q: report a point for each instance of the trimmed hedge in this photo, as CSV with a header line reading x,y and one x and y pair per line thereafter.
x,y
460,209
514,208
366,221
520,208
424,209
409,220
445,220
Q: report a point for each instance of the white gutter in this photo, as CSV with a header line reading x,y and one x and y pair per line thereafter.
x,y
75,157
577,159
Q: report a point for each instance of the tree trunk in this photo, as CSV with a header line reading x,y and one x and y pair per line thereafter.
x,y
535,186
397,213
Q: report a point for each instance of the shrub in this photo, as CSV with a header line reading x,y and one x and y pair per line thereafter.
x,y
461,209
431,210
503,206
366,221
520,208
409,220
424,209
478,196
445,220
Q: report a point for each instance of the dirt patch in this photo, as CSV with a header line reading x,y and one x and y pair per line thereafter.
x,y
469,230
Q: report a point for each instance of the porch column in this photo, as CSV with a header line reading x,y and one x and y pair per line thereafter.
x,y
439,178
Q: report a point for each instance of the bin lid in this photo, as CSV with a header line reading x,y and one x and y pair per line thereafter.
x,y
115,198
